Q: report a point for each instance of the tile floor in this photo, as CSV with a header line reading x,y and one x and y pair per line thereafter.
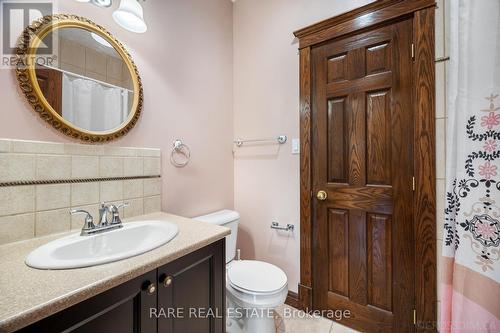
x,y
296,321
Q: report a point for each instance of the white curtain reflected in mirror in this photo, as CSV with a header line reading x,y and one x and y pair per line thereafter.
x,y
92,105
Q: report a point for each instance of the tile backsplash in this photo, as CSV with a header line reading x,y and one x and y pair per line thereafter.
x,y
57,177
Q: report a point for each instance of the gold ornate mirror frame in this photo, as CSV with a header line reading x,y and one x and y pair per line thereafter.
x,y
26,75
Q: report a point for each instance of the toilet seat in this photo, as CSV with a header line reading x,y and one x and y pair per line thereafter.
x,y
256,277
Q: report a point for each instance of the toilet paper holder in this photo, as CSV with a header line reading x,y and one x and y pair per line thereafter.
x,y
276,225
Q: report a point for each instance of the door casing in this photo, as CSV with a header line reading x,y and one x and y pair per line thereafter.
x,y
424,204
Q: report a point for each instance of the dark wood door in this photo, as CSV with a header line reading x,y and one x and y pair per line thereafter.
x,y
192,292
124,309
362,158
50,82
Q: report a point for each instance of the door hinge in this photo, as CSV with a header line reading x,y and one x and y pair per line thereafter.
x,y
414,317
413,183
412,51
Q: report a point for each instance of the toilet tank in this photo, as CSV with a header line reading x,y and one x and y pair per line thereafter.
x,y
228,219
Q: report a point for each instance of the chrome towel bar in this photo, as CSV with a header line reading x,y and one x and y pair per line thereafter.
x,y
280,139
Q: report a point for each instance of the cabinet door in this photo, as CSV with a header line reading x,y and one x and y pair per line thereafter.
x,y
124,309
191,292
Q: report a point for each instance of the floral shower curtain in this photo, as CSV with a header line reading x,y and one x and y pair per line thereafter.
x,y
471,242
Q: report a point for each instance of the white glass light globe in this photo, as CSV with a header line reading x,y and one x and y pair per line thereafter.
x,y
130,16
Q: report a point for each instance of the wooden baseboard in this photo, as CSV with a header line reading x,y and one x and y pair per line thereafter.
x,y
293,300
305,297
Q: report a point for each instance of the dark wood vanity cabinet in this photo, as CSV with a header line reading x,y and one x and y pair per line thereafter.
x,y
123,309
195,288
186,295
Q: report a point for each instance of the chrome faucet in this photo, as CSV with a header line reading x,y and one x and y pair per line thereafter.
x,y
103,215
89,228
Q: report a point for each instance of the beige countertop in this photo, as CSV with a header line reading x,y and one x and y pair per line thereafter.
x,y
28,294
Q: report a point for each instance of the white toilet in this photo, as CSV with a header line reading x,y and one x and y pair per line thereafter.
x,y
253,288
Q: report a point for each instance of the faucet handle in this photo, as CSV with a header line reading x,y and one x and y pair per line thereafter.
x,y
89,220
114,208
81,211
122,205
115,212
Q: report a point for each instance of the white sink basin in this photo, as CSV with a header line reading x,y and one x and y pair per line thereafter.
x,y
76,251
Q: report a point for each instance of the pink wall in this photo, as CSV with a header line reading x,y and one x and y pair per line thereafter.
x,y
266,100
185,61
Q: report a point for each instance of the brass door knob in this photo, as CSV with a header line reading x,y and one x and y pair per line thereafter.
x,y
168,281
151,289
322,195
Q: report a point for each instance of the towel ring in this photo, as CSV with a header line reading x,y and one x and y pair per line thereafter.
x,y
179,148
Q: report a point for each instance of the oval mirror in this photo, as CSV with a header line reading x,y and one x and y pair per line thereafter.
x,y
79,78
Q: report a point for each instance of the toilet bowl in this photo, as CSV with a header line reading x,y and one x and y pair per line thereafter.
x,y
253,288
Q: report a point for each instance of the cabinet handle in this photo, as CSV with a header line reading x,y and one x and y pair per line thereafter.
x,y
168,281
151,289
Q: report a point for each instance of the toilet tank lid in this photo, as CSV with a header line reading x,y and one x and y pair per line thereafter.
x,y
221,217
